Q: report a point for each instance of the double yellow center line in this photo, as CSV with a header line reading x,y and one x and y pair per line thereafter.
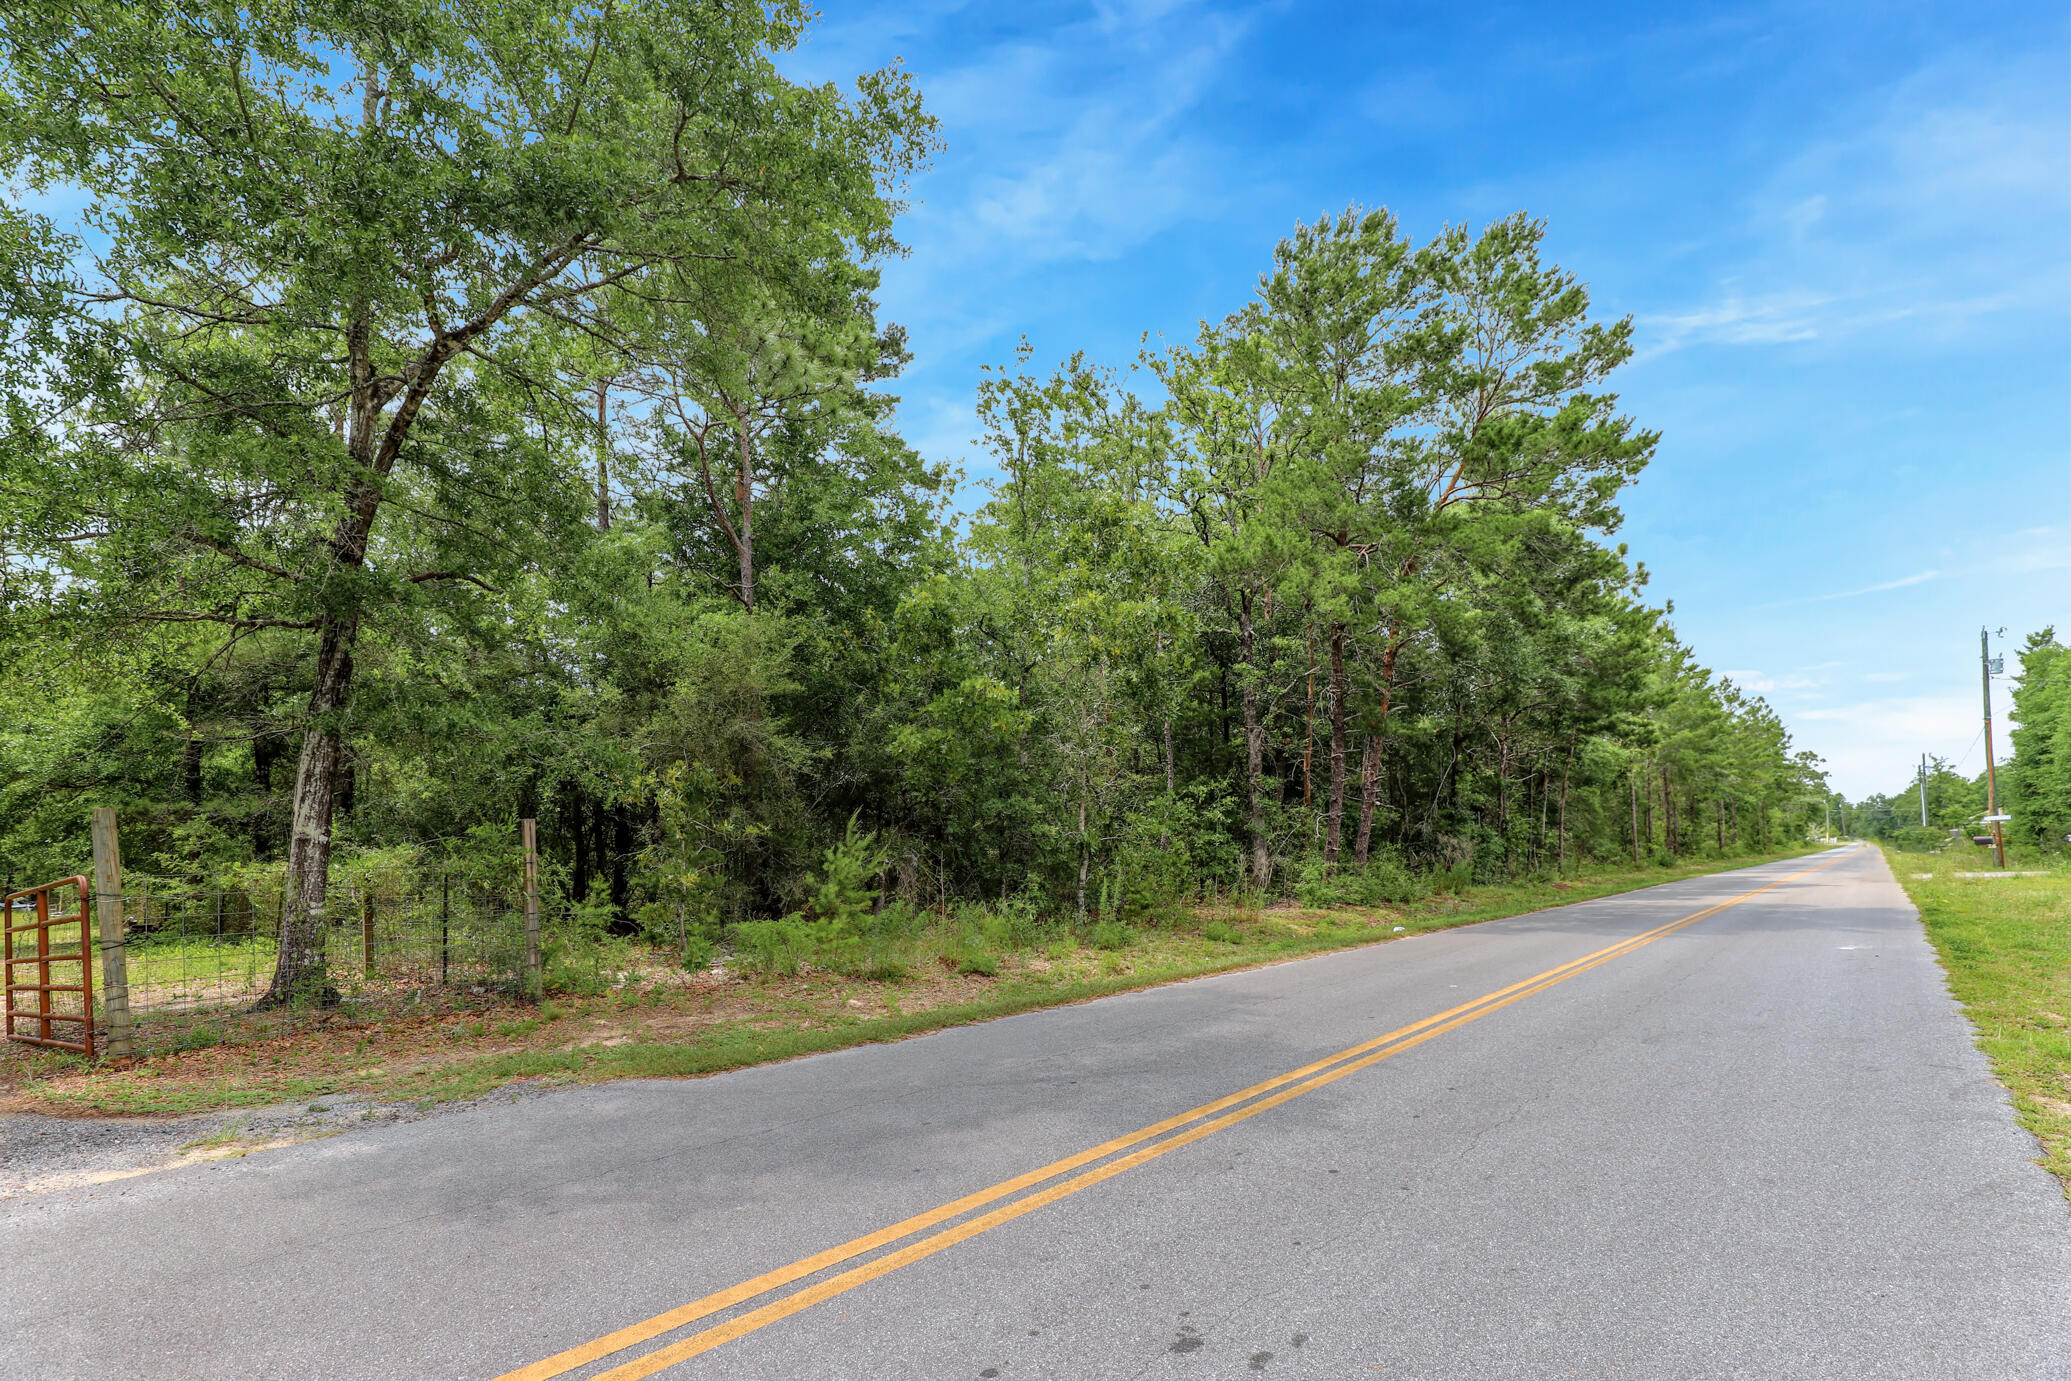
x,y
1223,1112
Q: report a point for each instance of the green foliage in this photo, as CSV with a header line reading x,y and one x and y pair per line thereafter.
x,y
2034,785
775,949
843,899
1384,880
699,951
304,542
1111,935
2037,783
1453,880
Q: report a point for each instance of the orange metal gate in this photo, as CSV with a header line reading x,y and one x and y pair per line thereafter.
x,y
30,945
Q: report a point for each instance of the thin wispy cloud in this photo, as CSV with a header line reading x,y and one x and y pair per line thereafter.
x,y
1901,583
1941,210
1875,742
1762,683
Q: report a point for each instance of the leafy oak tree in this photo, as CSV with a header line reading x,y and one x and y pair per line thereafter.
x,y
326,258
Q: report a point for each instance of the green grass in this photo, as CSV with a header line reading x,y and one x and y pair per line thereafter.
x,y
785,1027
183,962
2006,944
222,1138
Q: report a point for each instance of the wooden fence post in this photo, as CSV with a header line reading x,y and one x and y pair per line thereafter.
x,y
107,887
534,979
445,922
367,934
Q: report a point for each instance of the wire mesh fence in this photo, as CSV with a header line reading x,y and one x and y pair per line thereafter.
x,y
201,956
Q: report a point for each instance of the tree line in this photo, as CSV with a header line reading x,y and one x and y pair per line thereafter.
x,y
2034,781
443,413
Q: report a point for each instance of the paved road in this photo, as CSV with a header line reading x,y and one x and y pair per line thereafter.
x,y
1760,1145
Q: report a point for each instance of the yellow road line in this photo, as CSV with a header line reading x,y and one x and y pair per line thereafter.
x,y
1306,1079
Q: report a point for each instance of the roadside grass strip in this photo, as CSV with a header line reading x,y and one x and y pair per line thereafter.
x,y
1084,1170
674,1030
2007,951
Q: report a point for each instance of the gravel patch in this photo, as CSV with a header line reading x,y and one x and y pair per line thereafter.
x,y
39,1154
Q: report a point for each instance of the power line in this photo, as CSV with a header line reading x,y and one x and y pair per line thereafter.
x,y
1958,768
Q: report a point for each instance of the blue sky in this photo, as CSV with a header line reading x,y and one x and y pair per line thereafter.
x,y
1843,231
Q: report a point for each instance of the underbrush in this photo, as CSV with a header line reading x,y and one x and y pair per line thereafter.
x,y
845,969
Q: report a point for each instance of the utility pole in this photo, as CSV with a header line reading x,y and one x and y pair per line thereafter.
x,y
1991,772
1826,830
1923,791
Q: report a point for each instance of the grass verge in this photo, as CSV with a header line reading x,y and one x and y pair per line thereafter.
x,y
2006,944
707,1023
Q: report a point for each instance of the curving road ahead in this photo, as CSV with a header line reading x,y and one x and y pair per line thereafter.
x,y
1726,1127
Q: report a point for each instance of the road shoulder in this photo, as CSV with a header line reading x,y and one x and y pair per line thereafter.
x,y
2005,944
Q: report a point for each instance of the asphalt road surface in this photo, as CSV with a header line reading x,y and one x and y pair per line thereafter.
x,y
1757,1144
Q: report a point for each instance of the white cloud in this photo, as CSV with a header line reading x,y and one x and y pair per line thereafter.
x,y
1737,320
1941,208
1761,683
2045,549
1078,147
1871,745
1066,143
1919,578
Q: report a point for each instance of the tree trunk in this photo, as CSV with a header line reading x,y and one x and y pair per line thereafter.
x,y
344,786
1452,781
579,826
744,496
1372,747
1373,756
265,752
621,850
1165,729
1534,819
1503,799
603,466
1668,838
1632,785
1560,859
1254,751
1309,729
1333,832
1085,854
298,974
190,752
